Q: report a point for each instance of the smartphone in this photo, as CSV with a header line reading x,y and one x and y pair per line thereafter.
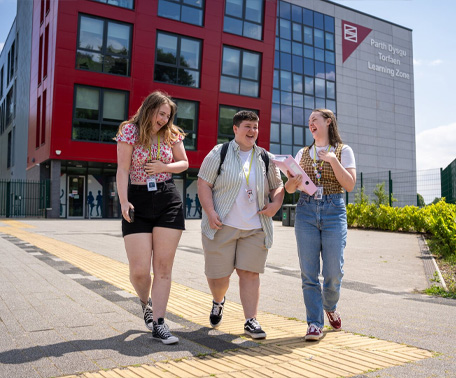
x,y
131,214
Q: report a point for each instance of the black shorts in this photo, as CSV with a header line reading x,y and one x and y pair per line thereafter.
x,y
160,208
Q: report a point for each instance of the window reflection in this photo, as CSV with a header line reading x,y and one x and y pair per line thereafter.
x,y
188,11
244,17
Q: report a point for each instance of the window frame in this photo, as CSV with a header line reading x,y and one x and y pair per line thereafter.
x,y
181,4
103,50
177,66
114,5
239,78
221,138
98,122
196,118
243,20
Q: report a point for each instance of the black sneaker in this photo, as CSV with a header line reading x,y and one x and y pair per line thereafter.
x,y
161,332
253,329
217,313
148,315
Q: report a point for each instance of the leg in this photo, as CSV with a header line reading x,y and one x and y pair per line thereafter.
x,y
139,253
308,238
165,241
218,287
334,236
249,289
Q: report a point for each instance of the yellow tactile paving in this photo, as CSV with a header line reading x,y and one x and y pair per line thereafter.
x,y
283,354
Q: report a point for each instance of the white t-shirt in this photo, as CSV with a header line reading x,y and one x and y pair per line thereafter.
x,y
244,214
347,157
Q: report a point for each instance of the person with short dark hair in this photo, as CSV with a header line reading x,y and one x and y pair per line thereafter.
x,y
149,151
237,222
321,219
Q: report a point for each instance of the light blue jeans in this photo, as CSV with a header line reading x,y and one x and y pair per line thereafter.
x,y
321,230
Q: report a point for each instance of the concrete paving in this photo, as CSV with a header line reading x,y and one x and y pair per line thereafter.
x,y
57,319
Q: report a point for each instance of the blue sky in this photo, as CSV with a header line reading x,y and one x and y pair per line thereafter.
x,y
434,52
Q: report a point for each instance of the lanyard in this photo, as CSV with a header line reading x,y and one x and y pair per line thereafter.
x,y
158,149
315,165
250,167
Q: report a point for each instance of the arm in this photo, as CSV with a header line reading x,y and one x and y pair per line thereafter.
x,y
293,182
272,207
206,201
179,164
345,176
124,152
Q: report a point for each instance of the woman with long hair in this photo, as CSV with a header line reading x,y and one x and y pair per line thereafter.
x,y
150,149
321,219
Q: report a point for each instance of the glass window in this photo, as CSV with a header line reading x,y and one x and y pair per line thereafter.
x,y
309,67
244,17
129,4
285,10
320,88
285,81
297,64
308,52
286,98
319,54
10,106
308,35
309,85
331,89
104,46
275,133
240,72
329,24
276,59
296,13
320,103
187,119
286,133
276,96
286,114
97,113
318,20
331,105
309,137
296,48
285,45
307,16
188,11
285,61
329,41
298,100
320,70
329,57
285,29
319,39
297,83
330,72
309,103
276,79
297,32
225,129
298,136
178,60
298,116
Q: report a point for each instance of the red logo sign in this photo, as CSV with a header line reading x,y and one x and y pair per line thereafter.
x,y
352,36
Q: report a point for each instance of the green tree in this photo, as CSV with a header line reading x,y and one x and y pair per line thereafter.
x,y
420,200
381,198
361,198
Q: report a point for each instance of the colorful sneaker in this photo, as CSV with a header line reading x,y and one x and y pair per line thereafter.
x,y
148,315
334,319
314,333
216,313
161,332
253,329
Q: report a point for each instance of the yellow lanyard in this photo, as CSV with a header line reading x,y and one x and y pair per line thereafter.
x,y
158,149
318,169
250,167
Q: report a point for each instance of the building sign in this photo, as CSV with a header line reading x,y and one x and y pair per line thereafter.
x,y
388,57
352,36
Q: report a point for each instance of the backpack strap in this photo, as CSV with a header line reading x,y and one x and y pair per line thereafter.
x,y
224,150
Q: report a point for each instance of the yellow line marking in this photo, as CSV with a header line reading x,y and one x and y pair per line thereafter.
x,y
283,354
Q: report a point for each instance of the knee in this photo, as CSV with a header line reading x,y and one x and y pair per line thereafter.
x,y
246,275
163,270
139,275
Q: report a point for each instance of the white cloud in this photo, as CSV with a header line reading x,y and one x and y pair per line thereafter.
x,y
436,62
417,62
435,148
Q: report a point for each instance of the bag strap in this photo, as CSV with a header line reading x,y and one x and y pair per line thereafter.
x,y
224,150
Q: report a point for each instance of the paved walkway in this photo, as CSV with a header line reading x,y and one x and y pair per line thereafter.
x,y
67,307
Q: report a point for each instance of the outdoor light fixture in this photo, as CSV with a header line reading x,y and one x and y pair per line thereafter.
x,y
58,152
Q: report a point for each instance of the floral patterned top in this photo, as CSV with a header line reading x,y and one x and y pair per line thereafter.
x,y
140,155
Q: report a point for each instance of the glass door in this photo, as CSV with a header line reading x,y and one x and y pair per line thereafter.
x,y
76,195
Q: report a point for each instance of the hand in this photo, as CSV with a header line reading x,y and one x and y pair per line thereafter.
x,y
214,221
154,167
269,210
125,207
294,180
326,156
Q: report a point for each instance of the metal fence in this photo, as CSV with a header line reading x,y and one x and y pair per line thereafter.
x,y
22,198
449,182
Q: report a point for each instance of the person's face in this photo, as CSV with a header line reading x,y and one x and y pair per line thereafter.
x,y
161,117
319,126
246,134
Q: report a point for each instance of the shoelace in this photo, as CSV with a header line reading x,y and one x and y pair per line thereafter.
x,y
163,330
255,323
148,314
313,328
334,316
216,309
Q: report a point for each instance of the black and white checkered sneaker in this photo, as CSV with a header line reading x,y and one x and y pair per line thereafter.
x,y
148,315
253,329
161,332
215,318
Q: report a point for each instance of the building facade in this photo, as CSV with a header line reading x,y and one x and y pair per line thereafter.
x,y
92,62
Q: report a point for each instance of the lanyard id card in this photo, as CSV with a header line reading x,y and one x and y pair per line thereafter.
x,y
319,193
151,184
249,195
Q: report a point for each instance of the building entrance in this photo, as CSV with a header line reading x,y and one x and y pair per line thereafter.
x,y
76,196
